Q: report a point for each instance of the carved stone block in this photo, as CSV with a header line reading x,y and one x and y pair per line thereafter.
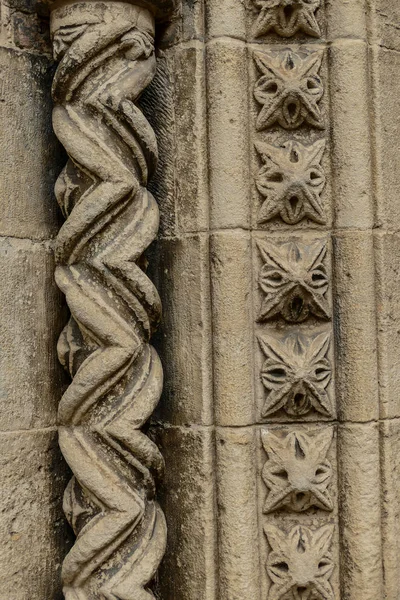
x,y
287,17
289,88
107,59
296,374
294,280
297,473
300,564
291,180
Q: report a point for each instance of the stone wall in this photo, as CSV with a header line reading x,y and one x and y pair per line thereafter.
x,y
221,161
34,533
211,252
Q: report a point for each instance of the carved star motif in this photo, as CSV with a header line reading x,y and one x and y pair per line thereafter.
x,y
294,280
296,373
291,180
289,89
300,563
297,472
287,17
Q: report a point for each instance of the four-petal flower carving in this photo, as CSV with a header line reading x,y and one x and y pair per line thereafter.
x,y
287,17
289,89
291,180
300,563
297,472
296,373
294,280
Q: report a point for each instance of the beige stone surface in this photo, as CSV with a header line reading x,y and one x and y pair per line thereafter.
x,y
276,264
29,153
360,511
387,119
238,543
387,249
390,454
31,318
189,570
228,133
34,534
355,314
180,269
351,152
386,15
232,335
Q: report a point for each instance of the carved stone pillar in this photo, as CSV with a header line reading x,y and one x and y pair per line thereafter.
x,y
276,261
106,59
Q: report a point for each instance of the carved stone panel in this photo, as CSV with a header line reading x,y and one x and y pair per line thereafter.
x,y
296,374
300,563
294,280
298,474
286,17
289,89
291,180
106,56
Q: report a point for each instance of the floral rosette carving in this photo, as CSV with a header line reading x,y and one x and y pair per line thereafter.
x,y
294,280
289,89
291,180
296,374
297,473
300,563
287,17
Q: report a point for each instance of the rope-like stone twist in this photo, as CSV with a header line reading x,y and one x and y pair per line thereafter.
x,y
107,59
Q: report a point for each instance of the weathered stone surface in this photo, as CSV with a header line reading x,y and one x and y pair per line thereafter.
x,y
228,133
346,19
387,250
226,18
187,495
352,175
106,59
238,539
387,22
360,511
29,148
386,65
390,457
34,534
278,126
355,327
232,338
180,270
31,318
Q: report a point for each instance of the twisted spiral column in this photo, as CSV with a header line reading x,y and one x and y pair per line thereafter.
x,y
107,59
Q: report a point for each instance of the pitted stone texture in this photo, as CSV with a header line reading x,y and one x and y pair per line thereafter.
x,y
386,67
387,15
238,535
355,319
28,148
387,250
32,316
187,496
232,314
34,534
180,270
228,133
390,457
360,511
351,163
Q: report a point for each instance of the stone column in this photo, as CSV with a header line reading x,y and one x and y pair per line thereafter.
x,y
106,60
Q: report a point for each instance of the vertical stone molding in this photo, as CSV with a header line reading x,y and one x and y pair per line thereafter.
x,y
106,59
